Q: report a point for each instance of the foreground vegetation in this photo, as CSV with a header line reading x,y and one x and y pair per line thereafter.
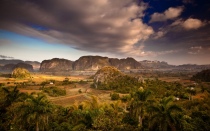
x,y
149,105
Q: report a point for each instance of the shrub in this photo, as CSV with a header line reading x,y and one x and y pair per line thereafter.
x,y
2,84
54,91
125,98
115,96
80,91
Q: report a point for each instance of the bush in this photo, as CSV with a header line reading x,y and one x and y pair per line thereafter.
x,y
80,91
54,91
2,84
125,98
115,96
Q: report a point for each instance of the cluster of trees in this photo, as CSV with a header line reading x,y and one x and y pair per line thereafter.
x,y
150,107
54,91
122,84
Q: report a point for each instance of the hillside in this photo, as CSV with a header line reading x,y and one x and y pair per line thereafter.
x,y
110,77
202,76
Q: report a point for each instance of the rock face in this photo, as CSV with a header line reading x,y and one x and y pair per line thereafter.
x,y
11,67
97,62
56,65
123,64
90,63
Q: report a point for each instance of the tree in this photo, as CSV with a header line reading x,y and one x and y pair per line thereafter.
x,y
10,96
163,115
35,110
139,105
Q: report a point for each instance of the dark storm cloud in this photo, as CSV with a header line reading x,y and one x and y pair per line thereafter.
x,y
111,26
98,26
184,41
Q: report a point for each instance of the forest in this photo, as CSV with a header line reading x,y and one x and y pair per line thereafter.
x,y
152,105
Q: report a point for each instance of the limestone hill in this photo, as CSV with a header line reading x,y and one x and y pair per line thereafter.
x,y
110,78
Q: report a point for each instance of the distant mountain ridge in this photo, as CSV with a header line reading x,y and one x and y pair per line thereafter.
x,y
11,67
93,63
156,64
35,64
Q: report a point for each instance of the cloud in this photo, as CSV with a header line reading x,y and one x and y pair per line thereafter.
x,y
140,51
5,57
194,50
96,26
170,13
191,23
159,34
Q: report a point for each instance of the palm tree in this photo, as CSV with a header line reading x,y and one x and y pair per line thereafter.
x,y
163,114
10,96
92,104
139,104
35,110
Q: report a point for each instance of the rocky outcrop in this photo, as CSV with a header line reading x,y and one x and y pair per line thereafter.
x,y
110,78
90,63
11,67
56,65
125,64
155,64
97,62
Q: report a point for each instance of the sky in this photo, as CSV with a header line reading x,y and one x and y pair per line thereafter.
x,y
175,31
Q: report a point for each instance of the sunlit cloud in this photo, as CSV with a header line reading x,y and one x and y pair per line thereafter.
x,y
170,13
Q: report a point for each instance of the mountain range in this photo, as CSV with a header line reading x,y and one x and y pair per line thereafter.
x,y
93,63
